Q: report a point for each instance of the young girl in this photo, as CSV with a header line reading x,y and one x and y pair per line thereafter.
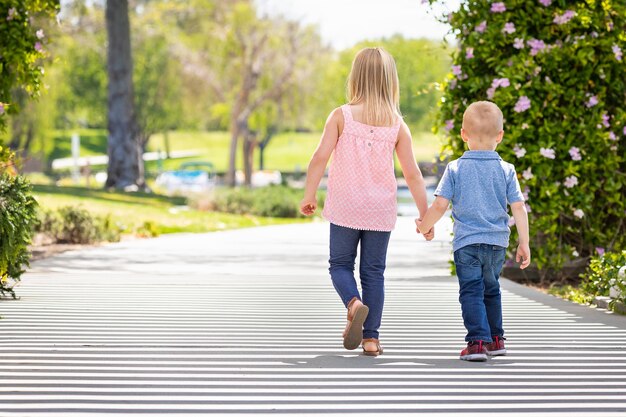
x,y
361,200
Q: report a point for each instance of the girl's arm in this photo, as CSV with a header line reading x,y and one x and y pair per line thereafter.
x,y
318,162
435,212
410,170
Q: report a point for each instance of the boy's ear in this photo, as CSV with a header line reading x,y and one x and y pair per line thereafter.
x,y
464,135
500,136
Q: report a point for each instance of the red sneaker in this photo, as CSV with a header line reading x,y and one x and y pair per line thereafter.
x,y
475,352
496,348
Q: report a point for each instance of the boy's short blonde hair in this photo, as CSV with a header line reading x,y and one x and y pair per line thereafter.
x,y
483,120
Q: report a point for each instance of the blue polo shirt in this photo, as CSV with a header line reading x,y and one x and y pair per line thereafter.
x,y
480,185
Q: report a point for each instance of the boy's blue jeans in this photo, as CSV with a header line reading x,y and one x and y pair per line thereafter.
x,y
343,245
478,268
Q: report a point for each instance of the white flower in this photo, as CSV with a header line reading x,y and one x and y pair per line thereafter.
x,y
580,214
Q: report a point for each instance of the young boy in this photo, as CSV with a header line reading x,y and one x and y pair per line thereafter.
x,y
479,185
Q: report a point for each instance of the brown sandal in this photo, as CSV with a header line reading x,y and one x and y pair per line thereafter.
x,y
377,352
354,333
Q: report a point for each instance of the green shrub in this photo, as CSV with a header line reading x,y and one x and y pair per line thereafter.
x,y
556,70
272,201
602,274
76,225
17,215
572,293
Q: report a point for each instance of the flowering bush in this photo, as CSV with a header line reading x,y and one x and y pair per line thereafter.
x,y
17,216
22,47
603,274
556,69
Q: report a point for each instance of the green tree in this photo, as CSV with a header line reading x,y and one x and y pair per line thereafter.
x,y
556,69
157,76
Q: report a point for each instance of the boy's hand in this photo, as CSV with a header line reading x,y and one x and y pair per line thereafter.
x,y
523,255
308,207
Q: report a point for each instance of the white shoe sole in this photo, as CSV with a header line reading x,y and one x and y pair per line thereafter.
x,y
475,357
501,352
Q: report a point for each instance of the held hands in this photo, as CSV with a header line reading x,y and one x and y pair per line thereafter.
x,y
428,235
523,255
308,207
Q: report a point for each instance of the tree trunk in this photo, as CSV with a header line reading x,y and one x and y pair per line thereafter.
x,y
125,167
249,144
232,160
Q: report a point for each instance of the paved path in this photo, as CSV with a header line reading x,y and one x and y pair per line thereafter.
x,y
246,322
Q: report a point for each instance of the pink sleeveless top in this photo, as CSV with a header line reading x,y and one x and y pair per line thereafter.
x,y
362,184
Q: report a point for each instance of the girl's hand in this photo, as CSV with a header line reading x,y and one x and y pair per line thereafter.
x,y
308,207
430,235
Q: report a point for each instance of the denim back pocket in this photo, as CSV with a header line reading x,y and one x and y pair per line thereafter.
x,y
468,256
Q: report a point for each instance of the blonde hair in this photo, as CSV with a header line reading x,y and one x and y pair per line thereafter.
x,y
483,120
373,82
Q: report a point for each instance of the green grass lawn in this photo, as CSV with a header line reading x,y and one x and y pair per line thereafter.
x,y
289,151
132,210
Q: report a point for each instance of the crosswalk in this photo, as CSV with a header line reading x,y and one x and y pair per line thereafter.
x,y
96,343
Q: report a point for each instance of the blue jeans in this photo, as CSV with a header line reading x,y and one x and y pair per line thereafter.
x,y
343,245
478,267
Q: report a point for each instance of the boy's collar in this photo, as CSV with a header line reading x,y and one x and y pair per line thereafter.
x,y
480,155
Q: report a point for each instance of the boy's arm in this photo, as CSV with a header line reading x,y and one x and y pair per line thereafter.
x,y
434,213
410,170
521,222
318,162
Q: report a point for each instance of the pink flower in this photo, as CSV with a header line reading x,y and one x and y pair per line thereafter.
x,y
519,151
456,70
570,181
546,3
528,208
624,131
579,213
511,221
527,174
491,91
38,47
469,53
600,251
617,51
509,28
1,108
12,13
547,153
593,100
564,18
500,82
519,43
498,7
574,152
40,34
605,120
612,136
522,104
480,28
525,193
449,125
536,46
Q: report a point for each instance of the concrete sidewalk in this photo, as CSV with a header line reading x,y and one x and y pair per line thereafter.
x,y
247,322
